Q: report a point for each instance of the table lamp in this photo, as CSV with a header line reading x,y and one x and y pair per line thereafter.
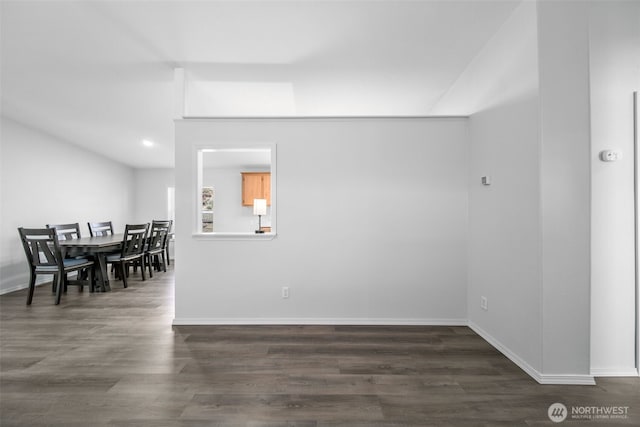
x,y
259,208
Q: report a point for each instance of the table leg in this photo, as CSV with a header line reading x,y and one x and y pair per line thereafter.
x,y
102,276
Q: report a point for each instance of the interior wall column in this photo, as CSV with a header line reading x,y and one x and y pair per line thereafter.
x,y
565,186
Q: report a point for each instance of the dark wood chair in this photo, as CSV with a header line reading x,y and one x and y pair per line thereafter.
x,y
45,257
155,248
100,228
69,232
164,223
133,245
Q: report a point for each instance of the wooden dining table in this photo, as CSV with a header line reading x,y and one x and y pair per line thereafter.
x,y
98,247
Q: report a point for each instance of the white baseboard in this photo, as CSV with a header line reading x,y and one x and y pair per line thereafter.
x,y
530,370
178,321
566,379
39,281
13,289
607,372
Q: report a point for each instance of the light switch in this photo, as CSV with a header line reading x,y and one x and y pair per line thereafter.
x,y
486,180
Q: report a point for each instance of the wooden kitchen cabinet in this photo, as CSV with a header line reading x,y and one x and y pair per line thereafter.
x,y
256,185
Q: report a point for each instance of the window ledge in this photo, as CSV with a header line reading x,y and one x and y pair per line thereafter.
x,y
233,236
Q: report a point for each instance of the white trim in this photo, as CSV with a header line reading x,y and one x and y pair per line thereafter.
x,y
41,280
13,289
233,236
558,379
530,370
610,372
328,117
316,321
636,191
197,162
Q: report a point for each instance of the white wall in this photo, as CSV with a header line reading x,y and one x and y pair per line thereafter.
x,y
385,242
504,222
151,193
529,230
48,181
504,218
229,214
614,75
151,196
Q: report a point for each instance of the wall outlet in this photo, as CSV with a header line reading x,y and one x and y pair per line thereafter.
x,y
285,292
484,304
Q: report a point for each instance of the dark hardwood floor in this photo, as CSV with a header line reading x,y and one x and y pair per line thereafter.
x,y
113,359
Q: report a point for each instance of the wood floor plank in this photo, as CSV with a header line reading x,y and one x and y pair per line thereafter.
x,y
113,359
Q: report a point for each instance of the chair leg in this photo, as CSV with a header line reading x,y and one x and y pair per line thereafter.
x,y
164,263
122,273
90,273
142,268
59,286
150,264
32,287
82,275
94,278
168,260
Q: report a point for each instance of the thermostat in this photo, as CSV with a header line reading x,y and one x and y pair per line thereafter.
x,y
610,155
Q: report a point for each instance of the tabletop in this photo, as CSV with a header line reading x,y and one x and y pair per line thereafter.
x,y
94,242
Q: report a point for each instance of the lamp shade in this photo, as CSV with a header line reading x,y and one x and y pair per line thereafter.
x,y
259,206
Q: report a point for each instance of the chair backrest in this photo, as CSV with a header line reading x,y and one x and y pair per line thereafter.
x,y
97,229
157,237
41,247
162,223
66,231
135,236
166,224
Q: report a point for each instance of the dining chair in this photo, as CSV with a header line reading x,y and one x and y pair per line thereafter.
x,y
133,244
69,232
97,229
45,257
165,223
155,250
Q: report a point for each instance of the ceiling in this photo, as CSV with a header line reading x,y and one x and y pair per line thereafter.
x,y
99,74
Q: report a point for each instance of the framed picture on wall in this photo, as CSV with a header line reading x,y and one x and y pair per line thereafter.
x,y
207,209
207,222
207,198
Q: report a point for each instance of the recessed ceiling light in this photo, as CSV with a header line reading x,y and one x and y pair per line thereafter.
x,y
147,143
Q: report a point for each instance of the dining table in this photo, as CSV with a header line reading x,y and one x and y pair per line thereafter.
x,y
98,247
